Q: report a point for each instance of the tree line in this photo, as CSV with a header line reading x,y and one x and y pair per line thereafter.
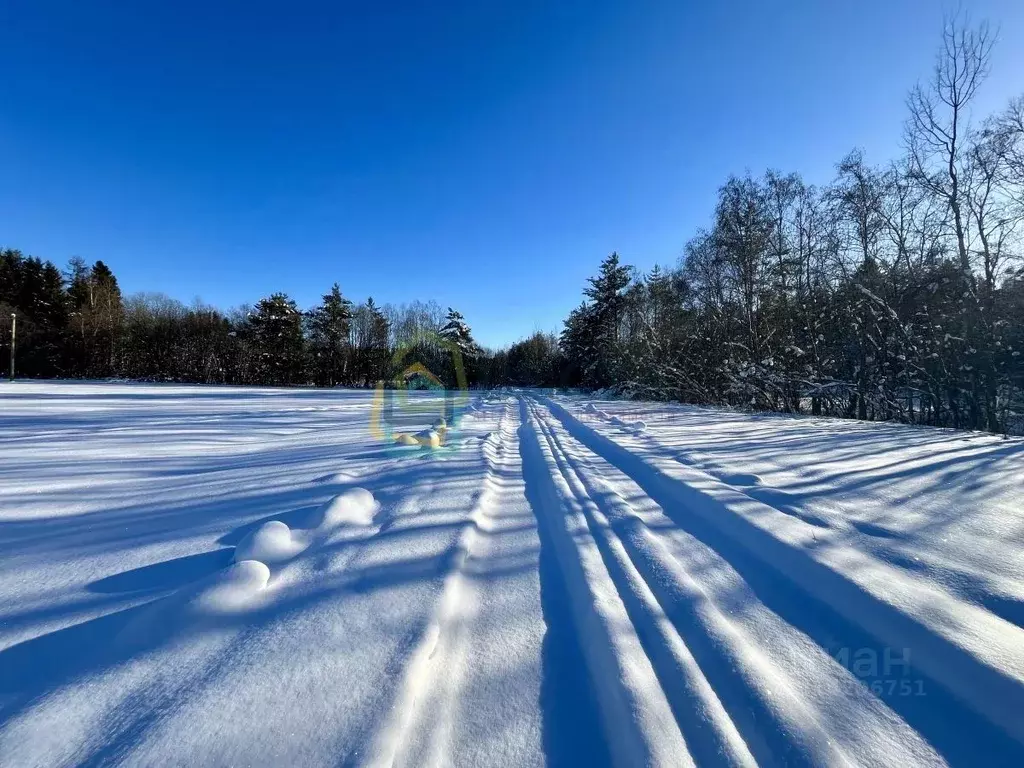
x,y
75,323
892,292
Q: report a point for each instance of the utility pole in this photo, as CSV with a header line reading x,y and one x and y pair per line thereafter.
x,y
14,333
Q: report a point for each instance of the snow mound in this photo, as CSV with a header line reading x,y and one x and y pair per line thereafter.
x,y
272,542
232,589
334,478
635,426
354,507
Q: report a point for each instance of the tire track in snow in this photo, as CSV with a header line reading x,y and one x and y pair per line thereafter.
x,y
431,720
962,689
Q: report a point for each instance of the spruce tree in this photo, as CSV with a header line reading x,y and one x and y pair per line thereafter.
x,y
370,333
106,313
457,332
329,328
607,292
577,342
274,331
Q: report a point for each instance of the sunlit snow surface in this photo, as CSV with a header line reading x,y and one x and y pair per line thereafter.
x,y
226,576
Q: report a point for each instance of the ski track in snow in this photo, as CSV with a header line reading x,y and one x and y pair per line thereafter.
x,y
432,719
961,656
565,583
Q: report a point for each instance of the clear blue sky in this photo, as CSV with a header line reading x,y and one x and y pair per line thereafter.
x,y
483,154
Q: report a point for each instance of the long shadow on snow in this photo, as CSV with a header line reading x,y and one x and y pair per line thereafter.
x,y
952,728
880,541
149,523
170,574
35,667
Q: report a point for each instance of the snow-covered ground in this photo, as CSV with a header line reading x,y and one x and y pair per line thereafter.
x,y
217,576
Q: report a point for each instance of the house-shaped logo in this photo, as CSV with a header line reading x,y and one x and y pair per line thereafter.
x,y
402,400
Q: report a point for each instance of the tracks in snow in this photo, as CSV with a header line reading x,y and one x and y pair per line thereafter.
x,y
659,706
638,716
446,710
706,626
704,651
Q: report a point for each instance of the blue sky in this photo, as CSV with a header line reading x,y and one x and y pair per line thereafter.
x,y
483,154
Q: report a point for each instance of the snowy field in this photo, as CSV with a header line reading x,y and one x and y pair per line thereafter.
x,y
216,576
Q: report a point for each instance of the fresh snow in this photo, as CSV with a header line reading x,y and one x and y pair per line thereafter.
x,y
228,576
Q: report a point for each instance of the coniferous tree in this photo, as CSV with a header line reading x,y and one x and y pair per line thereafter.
x,y
578,347
96,311
274,332
105,314
370,336
329,330
34,290
607,294
456,332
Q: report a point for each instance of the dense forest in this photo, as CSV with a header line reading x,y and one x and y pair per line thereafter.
x,y
77,324
891,292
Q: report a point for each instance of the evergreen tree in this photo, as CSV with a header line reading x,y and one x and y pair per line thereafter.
x,y
33,289
329,330
51,317
456,331
274,332
105,314
607,294
577,343
370,335
96,312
